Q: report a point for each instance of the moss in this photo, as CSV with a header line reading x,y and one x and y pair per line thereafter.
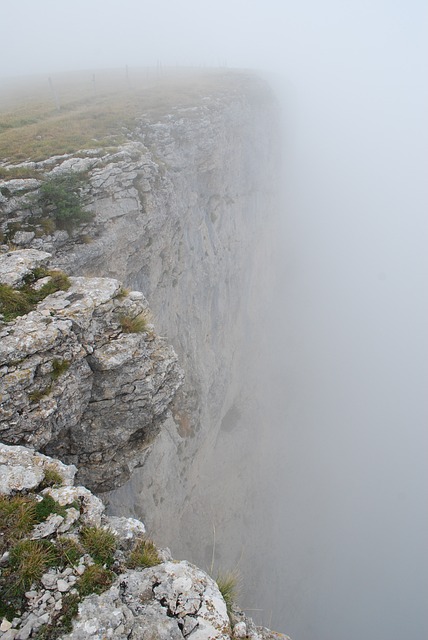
x,y
47,506
58,368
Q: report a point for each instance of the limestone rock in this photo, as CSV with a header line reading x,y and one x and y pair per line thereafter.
x,y
69,374
17,264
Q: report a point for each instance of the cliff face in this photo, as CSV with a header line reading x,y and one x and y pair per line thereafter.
x,y
184,213
74,383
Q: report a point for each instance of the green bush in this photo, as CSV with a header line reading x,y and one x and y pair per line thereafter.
x,y
60,195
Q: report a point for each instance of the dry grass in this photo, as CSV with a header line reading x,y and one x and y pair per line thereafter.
x,y
31,127
144,554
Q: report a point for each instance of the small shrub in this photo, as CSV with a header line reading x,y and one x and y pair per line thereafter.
x,y
29,560
99,543
133,325
60,194
143,555
96,579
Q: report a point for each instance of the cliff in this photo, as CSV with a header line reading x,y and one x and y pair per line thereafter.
x,y
183,210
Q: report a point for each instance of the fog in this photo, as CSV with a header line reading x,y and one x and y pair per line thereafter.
x,y
347,373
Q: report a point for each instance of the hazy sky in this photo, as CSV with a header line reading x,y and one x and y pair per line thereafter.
x,y
51,35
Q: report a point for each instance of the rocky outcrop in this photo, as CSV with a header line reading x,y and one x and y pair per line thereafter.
x,y
74,383
183,212
170,600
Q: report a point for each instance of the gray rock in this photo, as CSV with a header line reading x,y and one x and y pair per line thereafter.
x,y
48,527
23,237
49,581
63,586
125,529
17,264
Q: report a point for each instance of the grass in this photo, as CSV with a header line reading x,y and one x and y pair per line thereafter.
x,y
228,587
52,477
31,127
96,579
38,394
29,559
143,555
69,551
138,324
16,302
100,544
17,518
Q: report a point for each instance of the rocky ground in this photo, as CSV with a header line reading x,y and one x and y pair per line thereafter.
x,y
69,571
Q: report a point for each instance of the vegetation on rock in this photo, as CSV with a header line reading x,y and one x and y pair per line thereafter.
x,y
60,197
18,301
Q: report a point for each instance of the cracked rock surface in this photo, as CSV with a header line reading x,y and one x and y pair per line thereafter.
x,y
69,375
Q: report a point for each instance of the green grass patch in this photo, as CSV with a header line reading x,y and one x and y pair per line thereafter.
x,y
58,368
18,301
228,587
47,506
28,561
144,554
99,543
137,324
96,579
